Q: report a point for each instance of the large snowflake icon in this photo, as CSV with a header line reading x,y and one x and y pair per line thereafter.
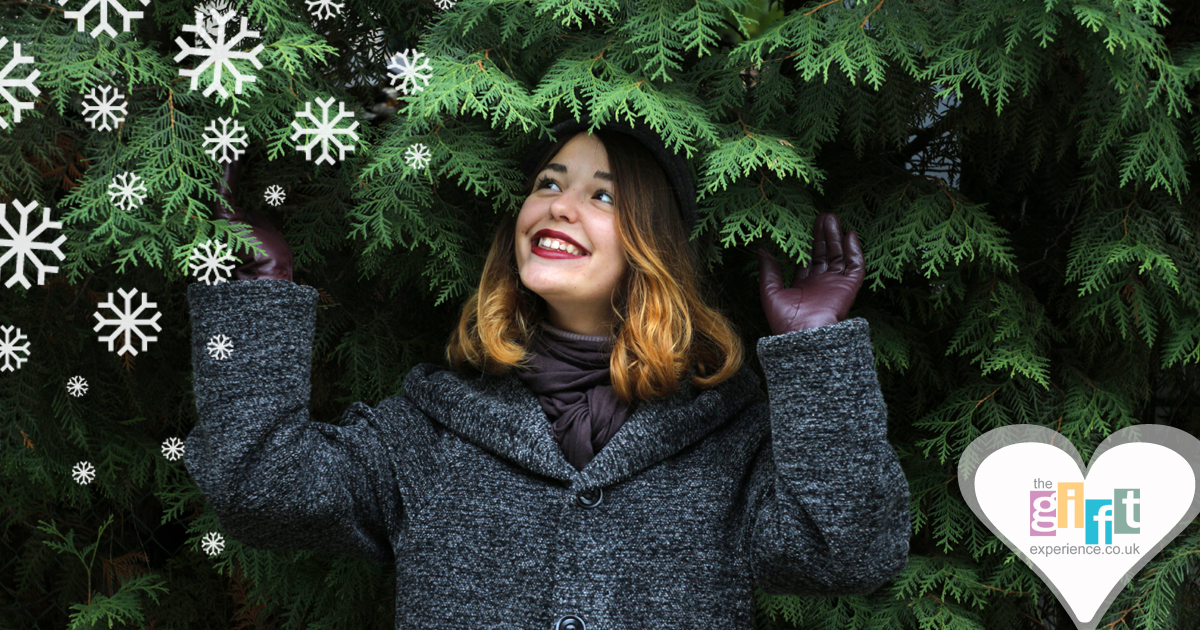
x,y
445,5
220,53
6,82
324,9
82,14
22,244
172,448
274,195
408,71
125,194
417,156
9,348
213,543
106,108
326,131
83,472
213,260
225,139
77,386
220,347
127,322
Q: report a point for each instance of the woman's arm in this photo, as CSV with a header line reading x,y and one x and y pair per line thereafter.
x,y
828,502
275,479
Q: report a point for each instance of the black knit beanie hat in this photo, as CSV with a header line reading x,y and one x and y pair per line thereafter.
x,y
672,164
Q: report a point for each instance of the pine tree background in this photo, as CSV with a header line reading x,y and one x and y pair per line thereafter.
x,y
1018,172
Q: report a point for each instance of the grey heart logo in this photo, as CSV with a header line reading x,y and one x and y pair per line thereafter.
x,y
1086,531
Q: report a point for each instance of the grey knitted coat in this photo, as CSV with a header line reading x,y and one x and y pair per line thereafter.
x,y
458,482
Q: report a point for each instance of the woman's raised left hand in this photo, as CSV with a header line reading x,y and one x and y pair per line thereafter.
x,y
821,293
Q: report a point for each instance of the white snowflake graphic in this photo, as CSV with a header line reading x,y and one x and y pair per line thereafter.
x,y
220,53
213,543
220,347
77,386
445,5
274,195
408,71
9,348
125,194
328,8
417,156
83,472
82,14
326,130
213,260
127,322
225,139
172,448
105,108
205,15
6,82
21,244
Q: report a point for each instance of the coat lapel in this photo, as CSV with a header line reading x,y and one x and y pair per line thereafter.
x,y
501,415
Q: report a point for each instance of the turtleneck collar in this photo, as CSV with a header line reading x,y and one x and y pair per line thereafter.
x,y
570,335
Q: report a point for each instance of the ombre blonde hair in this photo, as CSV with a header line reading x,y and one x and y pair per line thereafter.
x,y
664,330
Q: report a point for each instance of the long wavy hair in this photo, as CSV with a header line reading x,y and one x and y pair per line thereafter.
x,y
664,329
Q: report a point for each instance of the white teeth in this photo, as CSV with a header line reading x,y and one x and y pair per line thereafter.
x,y
550,243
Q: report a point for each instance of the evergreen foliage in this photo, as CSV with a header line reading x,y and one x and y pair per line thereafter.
x,y
1018,173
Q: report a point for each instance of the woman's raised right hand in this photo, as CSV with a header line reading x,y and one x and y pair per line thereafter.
x,y
276,260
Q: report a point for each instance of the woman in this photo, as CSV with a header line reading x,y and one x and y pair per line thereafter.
x,y
598,457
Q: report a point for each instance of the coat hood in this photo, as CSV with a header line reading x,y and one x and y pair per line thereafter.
x,y
501,415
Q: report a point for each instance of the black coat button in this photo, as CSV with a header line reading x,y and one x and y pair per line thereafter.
x,y
570,622
591,498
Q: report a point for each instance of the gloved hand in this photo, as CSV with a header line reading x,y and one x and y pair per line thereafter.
x,y
821,293
276,260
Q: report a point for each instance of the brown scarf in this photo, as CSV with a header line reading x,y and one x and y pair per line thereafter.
x,y
571,378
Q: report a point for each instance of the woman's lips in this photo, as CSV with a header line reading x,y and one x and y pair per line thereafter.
x,y
552,253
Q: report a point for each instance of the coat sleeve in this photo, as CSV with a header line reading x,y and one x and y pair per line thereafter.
x,y
828,501
275,479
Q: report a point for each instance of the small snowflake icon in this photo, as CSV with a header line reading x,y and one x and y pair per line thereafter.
x,y
172,448
326,131
9,348
220,53
445,5
125,194
225,139
274,195
417,156
220,347
106,108
213,543
408,71
213,261
77,386
82,14
22,244
325,9
127,322
83,472
6,82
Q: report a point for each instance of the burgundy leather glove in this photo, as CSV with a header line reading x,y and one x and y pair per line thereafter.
x,y
821,293
276,260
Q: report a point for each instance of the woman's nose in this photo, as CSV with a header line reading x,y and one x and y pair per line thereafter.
x,y
565,207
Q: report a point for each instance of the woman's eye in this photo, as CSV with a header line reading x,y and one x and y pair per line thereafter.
x,y
546,181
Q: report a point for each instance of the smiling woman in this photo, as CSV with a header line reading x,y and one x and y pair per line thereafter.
x,y
607,195
641,476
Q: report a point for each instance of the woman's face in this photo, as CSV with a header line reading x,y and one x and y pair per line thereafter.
x,y
578,203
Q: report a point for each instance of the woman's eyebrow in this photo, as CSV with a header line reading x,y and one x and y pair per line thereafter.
x,y
555,166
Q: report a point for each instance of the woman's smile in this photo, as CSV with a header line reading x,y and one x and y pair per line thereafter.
x,y
552,253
